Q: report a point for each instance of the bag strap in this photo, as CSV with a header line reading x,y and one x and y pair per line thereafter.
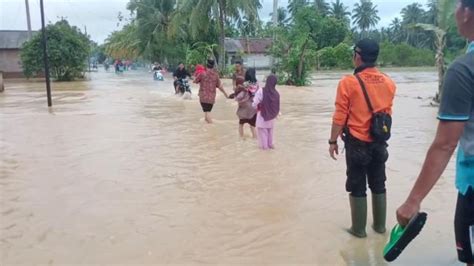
x,y
366,95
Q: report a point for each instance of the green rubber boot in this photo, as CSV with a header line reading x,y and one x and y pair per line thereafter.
x,y
379,211
359,216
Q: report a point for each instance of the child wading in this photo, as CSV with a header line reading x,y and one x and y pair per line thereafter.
x,y
244,96
267,102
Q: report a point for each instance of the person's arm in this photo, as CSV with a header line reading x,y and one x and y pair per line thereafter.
x,y
234,83
340,117
455,110
257,99
198,78
220,86
437,159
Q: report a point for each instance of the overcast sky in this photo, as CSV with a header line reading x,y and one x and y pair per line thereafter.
x,y
100,16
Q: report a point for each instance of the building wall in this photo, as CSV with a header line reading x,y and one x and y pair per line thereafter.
x,y
259,61
10,63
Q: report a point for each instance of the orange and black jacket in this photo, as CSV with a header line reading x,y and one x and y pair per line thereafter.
x,y
351,106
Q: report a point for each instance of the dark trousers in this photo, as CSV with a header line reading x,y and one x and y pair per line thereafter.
x,y
365,164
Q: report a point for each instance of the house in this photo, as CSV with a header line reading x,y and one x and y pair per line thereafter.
x,y
251,51
11,42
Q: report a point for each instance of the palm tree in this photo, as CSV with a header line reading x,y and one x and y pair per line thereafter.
x,y
432,12
295,5
444,18
411,15
365,16
281,17
275,13
339,11
204,12
396,30
322,7
152,22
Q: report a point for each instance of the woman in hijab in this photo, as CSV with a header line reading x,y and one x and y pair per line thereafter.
x,y
267,103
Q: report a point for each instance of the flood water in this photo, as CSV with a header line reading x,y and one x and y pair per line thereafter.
x,y
121,172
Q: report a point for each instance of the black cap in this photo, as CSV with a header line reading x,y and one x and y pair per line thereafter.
x,y
368,50
210,63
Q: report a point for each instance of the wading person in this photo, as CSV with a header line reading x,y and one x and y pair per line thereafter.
x,y
362,117
267,103
456,125
244,96
208,83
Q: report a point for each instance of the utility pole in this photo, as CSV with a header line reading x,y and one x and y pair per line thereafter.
x,y
28,19
45,56
275,24
88,56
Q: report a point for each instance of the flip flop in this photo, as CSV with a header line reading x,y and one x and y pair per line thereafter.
x,y
400,236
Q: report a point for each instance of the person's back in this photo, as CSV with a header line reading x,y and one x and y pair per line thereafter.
x,y
354,121
381,91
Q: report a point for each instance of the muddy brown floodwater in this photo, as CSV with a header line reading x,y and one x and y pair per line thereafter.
x,y
122,172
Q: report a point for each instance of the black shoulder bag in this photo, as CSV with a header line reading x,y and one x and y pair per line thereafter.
x,y
381,124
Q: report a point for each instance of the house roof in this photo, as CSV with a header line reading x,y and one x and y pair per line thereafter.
x,y
13,39
250,45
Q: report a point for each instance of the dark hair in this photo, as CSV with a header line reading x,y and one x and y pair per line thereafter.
x,y
251,75
468,3
238,62
210,63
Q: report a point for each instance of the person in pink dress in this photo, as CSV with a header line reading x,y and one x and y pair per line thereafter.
x,y
267,103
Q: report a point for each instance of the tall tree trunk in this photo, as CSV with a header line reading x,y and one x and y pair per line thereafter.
x,y
440,45
275,24
301,61
222,35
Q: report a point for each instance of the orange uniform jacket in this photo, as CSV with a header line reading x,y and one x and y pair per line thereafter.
x,y
352,107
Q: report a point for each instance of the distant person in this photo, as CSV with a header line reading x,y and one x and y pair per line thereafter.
x,y
238,78
157,67
267,103
208,83
366,152
180,73
455,129
244,96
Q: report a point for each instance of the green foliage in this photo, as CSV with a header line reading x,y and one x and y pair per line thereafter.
x,y
200,52
296,47
68,50
335,57
405,55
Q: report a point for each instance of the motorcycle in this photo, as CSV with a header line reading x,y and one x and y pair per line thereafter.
x,y
157,75
184,89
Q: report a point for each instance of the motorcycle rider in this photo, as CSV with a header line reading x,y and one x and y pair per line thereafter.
x,y
180,73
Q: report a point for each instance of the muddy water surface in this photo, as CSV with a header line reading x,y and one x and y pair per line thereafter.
x,y
120,171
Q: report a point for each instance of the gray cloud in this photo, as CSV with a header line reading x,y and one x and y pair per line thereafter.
x,y
100,16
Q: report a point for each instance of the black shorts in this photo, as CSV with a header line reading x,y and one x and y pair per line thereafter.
x,y
252,121
207,107
464,227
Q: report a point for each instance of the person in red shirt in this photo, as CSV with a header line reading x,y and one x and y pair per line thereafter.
x,y
365,158
208,83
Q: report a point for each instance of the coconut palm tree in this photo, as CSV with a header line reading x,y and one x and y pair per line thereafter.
x,y
396,30
445,21
339,11
205,12
295,5
365,16
322,7
411,15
